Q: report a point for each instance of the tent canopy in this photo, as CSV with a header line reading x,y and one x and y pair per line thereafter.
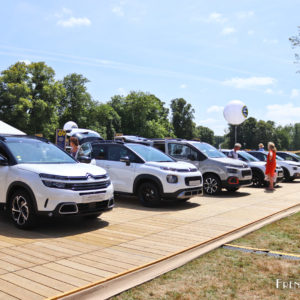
x,y
7,129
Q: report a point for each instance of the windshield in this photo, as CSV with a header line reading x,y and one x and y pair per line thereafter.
x,y
248,156
209,150
31,151
149,153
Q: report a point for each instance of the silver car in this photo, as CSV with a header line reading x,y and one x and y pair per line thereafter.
x,y
258,168
217,169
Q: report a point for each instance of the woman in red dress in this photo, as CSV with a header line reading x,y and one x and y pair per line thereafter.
x,y
271,165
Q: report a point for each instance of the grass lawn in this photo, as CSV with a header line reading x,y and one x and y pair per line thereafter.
x,y
228,274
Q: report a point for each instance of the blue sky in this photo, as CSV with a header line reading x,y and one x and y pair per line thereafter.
x,y
208,52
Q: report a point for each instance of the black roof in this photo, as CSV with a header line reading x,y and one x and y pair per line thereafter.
x,y
4,137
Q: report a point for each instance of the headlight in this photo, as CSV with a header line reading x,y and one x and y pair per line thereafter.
x,y
172,179
55,184
231,170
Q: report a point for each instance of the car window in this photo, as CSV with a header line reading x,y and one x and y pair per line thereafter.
x,y
115,152
85,150
99,151
182,151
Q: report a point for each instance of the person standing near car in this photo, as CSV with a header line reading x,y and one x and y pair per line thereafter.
x,y
271,165
233,153
261,147
74,143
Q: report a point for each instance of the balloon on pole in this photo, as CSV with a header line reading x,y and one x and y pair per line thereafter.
x,y
235,113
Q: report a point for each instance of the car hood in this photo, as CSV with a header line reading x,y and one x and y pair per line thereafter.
x,y
230,161
178,166
292,163
76,169
257,163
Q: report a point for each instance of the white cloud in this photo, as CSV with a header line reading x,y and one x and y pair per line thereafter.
x,y
269,91
245,14
250,32
283,113
72,22
26,61
183,86
270,41
241,83
118,10
215,108
228,30
66,19
216,17
295,93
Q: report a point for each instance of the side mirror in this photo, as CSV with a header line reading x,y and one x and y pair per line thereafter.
x,y
126,160
3,161
84,159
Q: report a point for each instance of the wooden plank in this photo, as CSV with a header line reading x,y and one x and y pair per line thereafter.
x,y
4,296
45,280
18,292
84,268
63,277
29,285
71,271
24,256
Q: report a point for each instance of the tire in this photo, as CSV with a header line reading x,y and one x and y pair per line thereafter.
x,y
92,216
21,210
232,189
257,180
148,194
211,184
286,175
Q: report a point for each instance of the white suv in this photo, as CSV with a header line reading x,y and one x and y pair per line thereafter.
x,y
144,171
38,178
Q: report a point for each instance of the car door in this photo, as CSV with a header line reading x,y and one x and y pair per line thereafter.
x,y
121,174
183,152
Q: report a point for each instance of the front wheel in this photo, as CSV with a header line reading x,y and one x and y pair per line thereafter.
x,y
148,194
21,210
211,184
286,175
257,180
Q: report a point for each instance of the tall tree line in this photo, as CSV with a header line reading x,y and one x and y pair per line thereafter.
x,y
32,100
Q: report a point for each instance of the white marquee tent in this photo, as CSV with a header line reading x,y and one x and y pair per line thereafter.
x,y
7,129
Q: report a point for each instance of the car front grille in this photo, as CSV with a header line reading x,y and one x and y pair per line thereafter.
x,y
194,178
89,185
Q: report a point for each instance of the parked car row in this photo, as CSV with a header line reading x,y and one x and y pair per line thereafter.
x,y
38,178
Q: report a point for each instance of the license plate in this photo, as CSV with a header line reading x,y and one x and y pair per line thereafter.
x,y
194,182
93,198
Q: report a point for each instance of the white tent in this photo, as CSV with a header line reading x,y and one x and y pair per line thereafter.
x,y
7,129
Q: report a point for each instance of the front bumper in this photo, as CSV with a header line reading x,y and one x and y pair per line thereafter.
x,y
184,193
80,209
230,183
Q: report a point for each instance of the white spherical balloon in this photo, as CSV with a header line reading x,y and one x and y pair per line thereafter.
x,y
235,112
70,125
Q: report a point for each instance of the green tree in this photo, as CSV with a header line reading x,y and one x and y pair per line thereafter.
x,y
104,119
30,98
297,137
15,96
142,114
77,102
182,119
205,134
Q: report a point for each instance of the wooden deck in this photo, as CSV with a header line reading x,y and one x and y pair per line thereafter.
x,y
65,254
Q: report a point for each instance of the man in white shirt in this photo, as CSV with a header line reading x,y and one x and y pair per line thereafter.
x,y
233,153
